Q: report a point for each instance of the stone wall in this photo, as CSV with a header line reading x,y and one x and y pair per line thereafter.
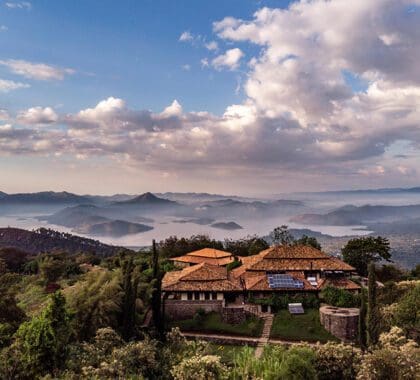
x,y
341,322
177,309
233,315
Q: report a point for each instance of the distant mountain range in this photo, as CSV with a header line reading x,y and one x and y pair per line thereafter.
x,y
147,199
45,197
352,215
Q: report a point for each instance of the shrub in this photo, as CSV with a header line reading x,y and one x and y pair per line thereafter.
x,y
205,367
340,297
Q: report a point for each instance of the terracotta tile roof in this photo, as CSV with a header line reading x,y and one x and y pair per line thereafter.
x,y
206,255
285,258
201,277
343,283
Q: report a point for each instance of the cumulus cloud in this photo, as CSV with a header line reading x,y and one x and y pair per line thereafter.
x,y
212,45
37,115
9,85
3,28
229,60
300,113
38,71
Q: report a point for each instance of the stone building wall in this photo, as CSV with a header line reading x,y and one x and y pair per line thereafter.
x,y
233,315
177,309
341,322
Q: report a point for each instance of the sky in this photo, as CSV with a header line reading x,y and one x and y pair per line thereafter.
x,y
241,96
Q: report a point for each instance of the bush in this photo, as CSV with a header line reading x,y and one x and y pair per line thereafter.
x,y
340,297
205,367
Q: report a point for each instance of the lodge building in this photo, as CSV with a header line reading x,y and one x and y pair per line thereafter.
x,y
205,283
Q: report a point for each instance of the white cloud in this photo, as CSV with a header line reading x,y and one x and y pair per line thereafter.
x,y
212,45
186,67
230,59
185,36
3,28
18,5
37,115
9,85
38,71
4,115
175,109
204,62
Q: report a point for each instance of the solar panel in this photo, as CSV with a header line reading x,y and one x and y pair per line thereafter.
x,y
278,281
295,308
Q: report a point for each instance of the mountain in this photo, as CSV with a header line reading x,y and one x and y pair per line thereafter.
x,y
230,226
353,215
114,228
45,197
147,199
96,220
45,240
2,195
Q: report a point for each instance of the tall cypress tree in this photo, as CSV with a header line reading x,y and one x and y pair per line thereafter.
x,y
130,280
372,309
157,296
362,320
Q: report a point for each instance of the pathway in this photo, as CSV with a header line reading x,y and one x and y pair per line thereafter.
x,y
265,336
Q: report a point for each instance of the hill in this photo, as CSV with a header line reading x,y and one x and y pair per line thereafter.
x,y
147,199
45,197
45,240
114,228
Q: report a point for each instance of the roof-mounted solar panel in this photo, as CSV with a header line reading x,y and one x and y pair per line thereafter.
x,y
283,281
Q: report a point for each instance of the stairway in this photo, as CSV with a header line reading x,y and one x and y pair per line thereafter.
x,y
265,336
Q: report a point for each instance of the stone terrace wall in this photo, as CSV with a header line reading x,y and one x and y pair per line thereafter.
x,y
341,322
177,309
233,315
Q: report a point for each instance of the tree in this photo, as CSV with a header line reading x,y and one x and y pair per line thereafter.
x,y
309,241
407,312
95,302
44,339
362,321
251,245
157,314
360,252
173,246
281,236
372,309
51,268
130,282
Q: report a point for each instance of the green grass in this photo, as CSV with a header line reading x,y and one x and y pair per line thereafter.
x,y
227,352
212,323
300,327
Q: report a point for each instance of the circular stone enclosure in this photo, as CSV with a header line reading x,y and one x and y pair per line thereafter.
x,y
342,322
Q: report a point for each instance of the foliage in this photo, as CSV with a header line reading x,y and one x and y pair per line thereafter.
x,y
359,252
174,246
197,367
129,284
336,361
212,322
51,268
281,236
278,302
43,340
389,272
308,241
234,264
277,362
373,314
95,302
362,333
14,258
251,245
300,327
396,358
407,312
340,297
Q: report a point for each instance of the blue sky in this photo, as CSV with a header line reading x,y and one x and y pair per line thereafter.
x,y
245,96
129,49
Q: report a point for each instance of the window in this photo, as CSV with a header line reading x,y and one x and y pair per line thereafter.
x,y
190,296
196,296
214,296
206,296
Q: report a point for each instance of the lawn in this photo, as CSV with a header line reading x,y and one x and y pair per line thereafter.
x,y
212,323
300,327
